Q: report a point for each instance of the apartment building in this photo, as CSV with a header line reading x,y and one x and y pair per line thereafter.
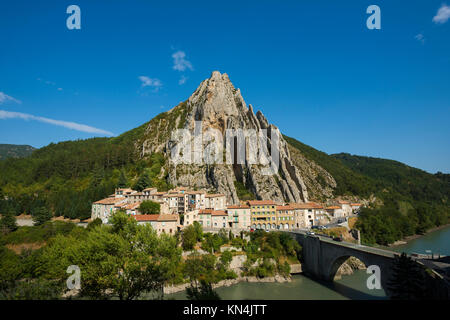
x,y
307,214
239,217
219,219
285,218
215,201
104,208
263,214
195,200
162,223
335,211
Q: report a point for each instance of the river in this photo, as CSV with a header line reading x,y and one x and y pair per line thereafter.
x,y
437,241
349,287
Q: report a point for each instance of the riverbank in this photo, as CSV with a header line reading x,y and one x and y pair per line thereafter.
x,y
230,282
416,236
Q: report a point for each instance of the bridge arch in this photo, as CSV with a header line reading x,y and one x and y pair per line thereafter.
x,y
323,257
338,262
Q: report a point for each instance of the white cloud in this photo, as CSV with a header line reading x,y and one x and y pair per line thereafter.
x,y
179,61
66,124
182,80
442,15
5,98
420,37
149,82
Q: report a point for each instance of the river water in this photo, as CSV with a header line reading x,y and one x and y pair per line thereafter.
x,y
349,287
437,242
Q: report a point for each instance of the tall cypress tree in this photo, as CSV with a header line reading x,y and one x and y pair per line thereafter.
x,y
123,181
143,182
407,281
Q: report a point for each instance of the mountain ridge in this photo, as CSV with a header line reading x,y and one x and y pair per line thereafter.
x,y
68,176
15,151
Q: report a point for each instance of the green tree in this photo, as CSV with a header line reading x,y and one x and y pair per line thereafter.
x,y
123,180
98,176
149,207
96,222
226,258
407,280
41,215
123,223
201,267
124,261
189,238
143,181
198,230
223,235
203,292
8,223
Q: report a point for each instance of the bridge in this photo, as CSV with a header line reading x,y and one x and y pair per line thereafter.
x,y
323,256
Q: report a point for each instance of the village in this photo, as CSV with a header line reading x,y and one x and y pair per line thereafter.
x,y
181,207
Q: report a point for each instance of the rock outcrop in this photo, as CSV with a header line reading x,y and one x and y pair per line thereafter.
x,y
349,266
220,109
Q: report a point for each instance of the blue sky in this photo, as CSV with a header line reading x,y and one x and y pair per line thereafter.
x,y
312,67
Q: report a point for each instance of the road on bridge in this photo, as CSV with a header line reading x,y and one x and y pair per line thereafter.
x,y
355,246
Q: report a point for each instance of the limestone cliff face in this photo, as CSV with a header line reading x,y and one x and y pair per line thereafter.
x,y
218,105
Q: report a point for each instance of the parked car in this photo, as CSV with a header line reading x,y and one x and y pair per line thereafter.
x,y
322,227
310,233
339,239
315,227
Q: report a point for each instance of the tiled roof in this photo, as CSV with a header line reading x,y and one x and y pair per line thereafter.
x,y
125,190
137,194
343,202
132,206
146,217
261,202
332,208
238,207
196,192
355,204
177,195
109,201
168,217
219,213
307,205
214,195
288,207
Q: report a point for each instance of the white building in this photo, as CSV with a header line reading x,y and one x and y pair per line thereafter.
x,y
104,208
215,201
239,217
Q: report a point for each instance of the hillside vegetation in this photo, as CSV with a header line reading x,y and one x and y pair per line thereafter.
x,y
67,177
413,201
15,151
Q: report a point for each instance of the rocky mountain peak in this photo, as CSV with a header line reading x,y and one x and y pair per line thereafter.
x,y
215,100
217,104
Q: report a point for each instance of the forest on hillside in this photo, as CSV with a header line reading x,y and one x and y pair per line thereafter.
x,y
65,178
412,200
